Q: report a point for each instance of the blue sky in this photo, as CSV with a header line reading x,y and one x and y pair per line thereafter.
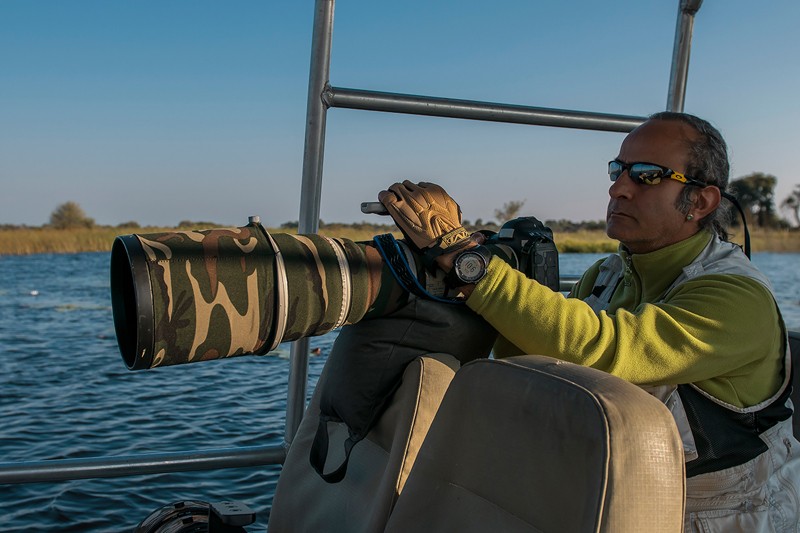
x,y
161,111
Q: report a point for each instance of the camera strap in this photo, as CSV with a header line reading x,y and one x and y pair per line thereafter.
x,y
398,265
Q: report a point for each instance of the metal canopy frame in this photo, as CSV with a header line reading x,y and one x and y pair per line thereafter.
x,y
321,97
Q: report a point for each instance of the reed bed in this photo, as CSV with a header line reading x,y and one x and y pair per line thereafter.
x,y
43,240
772,240
584,242
25,241
761,240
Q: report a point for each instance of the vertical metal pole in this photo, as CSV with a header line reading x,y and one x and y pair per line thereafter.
x,y
310,192
680,54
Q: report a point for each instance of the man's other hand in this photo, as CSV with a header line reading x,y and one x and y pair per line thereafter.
x,y
426,215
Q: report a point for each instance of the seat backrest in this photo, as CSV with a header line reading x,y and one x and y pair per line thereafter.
x,y
379,464
534,444
794,346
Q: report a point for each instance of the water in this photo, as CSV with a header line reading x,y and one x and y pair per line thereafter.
x,y
67,394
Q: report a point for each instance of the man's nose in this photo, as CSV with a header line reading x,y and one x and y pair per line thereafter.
x,y
623,187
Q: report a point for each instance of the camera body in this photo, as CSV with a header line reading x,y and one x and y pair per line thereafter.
x,y
532,243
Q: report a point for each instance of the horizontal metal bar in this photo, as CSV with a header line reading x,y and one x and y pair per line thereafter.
x,y
101,467
566,283
474,110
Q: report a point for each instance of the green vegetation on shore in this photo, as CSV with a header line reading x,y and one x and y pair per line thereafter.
x,y
70,230
41,240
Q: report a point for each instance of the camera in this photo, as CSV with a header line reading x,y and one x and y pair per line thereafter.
x,y
532,243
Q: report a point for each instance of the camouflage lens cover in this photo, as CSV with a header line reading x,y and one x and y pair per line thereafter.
x,y
212,294
186,296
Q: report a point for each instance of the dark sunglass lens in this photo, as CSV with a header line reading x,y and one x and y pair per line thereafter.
x,y
614,170
649,174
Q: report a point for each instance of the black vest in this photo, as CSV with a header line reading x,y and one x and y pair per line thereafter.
x,y
725,438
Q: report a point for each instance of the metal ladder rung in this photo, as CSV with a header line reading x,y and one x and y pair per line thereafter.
x,y
476,110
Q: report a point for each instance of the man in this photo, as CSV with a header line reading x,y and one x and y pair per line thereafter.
x,y
678,311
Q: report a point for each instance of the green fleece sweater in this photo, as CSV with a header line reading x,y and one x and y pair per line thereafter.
x,y
720,332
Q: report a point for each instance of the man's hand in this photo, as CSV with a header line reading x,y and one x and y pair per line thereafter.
x,y
426,215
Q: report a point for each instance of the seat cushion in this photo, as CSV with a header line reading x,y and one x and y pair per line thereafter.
x,y
534,444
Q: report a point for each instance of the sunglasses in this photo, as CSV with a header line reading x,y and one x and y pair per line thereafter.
x,y
648,173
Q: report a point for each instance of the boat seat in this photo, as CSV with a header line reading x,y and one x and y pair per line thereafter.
x,y
530,444
379,464
794,346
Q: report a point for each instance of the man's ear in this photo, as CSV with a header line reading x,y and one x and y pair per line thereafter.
x,y
706,201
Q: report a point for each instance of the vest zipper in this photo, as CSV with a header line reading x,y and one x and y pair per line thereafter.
x,y
628,270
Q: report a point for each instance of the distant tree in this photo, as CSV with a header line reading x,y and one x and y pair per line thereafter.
x,y
792,203
129,224
70,215
756,193
508,211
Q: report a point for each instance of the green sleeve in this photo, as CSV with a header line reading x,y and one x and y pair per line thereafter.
x,y
720,332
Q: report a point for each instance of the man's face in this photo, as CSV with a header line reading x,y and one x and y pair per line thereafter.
x,y
644,217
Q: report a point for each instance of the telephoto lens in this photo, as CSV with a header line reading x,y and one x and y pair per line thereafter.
x,y
186,296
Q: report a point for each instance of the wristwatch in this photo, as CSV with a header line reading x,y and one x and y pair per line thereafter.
x,y
469,266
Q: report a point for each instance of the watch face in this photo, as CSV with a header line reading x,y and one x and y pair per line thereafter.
x,y
470,266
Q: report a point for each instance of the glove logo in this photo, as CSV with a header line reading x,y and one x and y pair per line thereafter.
x,y
453,237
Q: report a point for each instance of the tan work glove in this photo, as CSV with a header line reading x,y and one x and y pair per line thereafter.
x,y
427,216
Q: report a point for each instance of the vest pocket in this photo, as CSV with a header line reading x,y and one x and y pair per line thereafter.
x,y
727,521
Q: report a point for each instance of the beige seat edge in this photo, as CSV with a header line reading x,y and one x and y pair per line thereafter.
x,y
379,464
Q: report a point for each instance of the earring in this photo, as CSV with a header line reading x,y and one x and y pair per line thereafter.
x,y
690,217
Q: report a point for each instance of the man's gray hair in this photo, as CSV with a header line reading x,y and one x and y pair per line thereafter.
x,y
708,162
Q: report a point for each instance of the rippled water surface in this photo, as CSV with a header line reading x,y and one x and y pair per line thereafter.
x,y
65,393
